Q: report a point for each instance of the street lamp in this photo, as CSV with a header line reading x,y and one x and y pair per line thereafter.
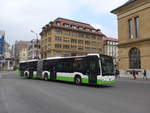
x,y
34,33
34,52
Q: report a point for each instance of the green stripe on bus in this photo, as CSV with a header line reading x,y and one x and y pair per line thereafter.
x,y
100,82
18,73
34,75
49,77
69,79
85,80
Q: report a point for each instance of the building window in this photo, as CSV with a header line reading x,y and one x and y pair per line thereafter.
x,y
87,48
98,44
81,28
93,43
134,58
81,35
80,48
58,23
73,34
49,39
73,41
66,46
130,22
66,25
57,45
49,45
57,38
99,38
93,49
93,37
137,27
80,41
45,47
108,42
87,29
87,42
67,33
74,27
73,47
66,40
45,40
58,31
93,30
88,36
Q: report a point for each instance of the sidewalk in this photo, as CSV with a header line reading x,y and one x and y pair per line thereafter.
x,y
129,77
6,72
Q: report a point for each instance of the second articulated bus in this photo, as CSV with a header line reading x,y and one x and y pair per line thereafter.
x,y
90,69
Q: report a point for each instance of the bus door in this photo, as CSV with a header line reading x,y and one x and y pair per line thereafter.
x,y
53,73
93,69
39,68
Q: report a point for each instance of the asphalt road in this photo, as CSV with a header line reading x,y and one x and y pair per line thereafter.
x,y
36,96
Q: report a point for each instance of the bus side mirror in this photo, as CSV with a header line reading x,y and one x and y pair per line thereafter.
x,y
87,72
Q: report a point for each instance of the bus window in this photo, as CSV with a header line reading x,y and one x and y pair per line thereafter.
x,y
94,67
60,67
107,65
80,65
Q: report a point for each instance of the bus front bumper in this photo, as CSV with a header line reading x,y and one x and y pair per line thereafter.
x,y
104,80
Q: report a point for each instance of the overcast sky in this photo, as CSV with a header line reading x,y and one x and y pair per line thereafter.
x,y
19,17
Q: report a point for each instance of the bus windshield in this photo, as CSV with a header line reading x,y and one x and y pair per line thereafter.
x,y
107,65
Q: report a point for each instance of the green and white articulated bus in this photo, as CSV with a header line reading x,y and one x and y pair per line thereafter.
x,y
94,69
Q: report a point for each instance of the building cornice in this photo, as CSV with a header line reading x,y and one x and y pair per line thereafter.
x,y
71,25
68,28
133,42
129,6
134,10
129,2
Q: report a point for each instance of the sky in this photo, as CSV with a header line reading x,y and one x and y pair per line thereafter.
x,y
19,17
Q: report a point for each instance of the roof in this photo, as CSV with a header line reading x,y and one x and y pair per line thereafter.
x,y
76,23
125,4
72,25
111,39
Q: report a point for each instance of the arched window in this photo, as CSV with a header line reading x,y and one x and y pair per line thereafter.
x,y
134,58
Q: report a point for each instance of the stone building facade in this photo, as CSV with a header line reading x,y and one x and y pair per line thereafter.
x,y
110,48
134,35
64,37
23,54
17,47
34,49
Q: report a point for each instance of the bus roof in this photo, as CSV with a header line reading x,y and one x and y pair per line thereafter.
x,y
91,54
70,56
28,61
51,58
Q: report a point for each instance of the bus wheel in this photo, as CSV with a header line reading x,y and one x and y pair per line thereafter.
x,y
26,76
46,77
78,80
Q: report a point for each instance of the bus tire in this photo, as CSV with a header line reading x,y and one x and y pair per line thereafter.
x,y
46,77
26,76
78,80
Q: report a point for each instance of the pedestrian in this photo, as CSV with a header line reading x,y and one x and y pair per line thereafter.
x,y
134,74
117,73
144,75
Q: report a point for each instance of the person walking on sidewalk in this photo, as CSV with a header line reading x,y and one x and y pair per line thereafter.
x,y
144,75
117,73
134,74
